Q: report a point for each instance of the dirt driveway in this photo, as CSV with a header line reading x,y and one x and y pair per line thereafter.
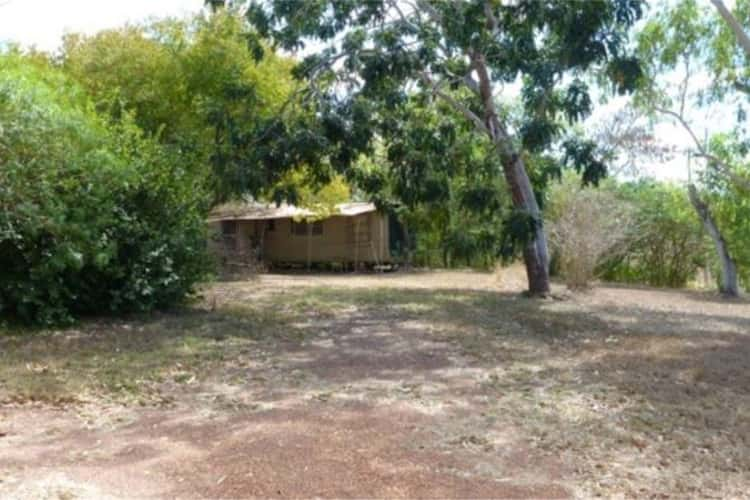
x,y
421,385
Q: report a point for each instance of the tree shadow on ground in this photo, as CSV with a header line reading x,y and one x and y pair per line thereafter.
x,y
388,332
661,389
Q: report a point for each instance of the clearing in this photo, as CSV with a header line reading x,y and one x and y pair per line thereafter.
x,y
442,384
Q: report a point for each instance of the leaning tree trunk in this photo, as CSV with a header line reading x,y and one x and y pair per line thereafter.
x,y
734,25
729,286
535,255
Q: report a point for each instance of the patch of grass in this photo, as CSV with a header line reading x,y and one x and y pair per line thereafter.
x,y
642,393
129,360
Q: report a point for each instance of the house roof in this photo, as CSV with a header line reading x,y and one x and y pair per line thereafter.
x,y
264,211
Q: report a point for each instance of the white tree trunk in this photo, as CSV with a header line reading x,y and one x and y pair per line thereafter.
x,y
736,27
729,285
535,253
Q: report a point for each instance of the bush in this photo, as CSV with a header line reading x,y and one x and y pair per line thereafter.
x,y
586,227
93,218
667,245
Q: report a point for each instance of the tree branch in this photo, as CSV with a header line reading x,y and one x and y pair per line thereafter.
x,y
453,102
491,19
497,132
741,87
736,27
471,83
684,86
719,164
427,7
404,19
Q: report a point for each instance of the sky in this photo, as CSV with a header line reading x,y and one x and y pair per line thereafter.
x,y
42,23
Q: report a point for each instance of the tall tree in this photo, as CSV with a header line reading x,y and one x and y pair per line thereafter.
x,y
679,43
196,86
730,202
371,54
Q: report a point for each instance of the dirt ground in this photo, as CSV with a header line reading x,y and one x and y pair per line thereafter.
x,y
418,385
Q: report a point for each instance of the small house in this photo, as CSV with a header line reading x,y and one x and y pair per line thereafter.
x,y
352,235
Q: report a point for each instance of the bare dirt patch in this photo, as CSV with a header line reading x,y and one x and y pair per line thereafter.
x,y
444,384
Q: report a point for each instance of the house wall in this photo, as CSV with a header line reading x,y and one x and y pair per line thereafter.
x,y
362,238
240,243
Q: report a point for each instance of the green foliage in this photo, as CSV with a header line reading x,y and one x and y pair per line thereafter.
x,y
299,187
678,48
727,60
441,181
690,40
581,156
730,203
667,245
196,86
379,63
94,217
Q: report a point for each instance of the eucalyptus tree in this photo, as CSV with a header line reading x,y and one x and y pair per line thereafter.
x,y
730,202
366,57
691,65
694,62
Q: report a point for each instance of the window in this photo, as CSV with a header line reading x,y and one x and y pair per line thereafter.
x,y
301,228
270,225
229,227
229,234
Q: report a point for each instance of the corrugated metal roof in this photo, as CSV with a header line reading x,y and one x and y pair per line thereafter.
x,y
355,208
264,211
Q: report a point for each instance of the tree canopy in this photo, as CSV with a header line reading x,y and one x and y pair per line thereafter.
x,y
195,85
695,63
372,57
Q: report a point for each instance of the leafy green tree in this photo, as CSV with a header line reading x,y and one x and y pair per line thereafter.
x,y
679,39
442,182
299,187
196,87
127,72
730,48
734,24
372,56
94,217
687,42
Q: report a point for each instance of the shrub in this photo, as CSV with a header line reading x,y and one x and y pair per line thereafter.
x,y
587,226
667,244
93,217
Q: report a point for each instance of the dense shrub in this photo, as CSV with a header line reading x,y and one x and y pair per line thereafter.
x,y
94,218
667,245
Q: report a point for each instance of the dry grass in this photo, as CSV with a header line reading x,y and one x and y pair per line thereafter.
x,y
637,392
